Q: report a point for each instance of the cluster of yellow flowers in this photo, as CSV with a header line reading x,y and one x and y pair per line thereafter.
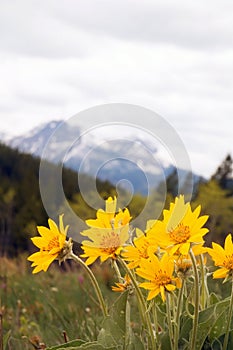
x,y
163,256
160,255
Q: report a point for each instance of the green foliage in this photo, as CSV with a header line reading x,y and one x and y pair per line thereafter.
x,y
216,203
115,333
211,325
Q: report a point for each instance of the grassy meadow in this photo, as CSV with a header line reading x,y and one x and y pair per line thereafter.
x,y
50,307
60,305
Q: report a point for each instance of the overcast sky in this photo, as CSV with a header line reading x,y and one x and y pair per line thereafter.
x,y
58,57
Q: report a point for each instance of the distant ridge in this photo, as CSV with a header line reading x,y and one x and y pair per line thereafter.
x,y
134,161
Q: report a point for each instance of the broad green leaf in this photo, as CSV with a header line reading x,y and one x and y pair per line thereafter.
x,y
165,341
219,324
213,299
135,343
210,325
115,330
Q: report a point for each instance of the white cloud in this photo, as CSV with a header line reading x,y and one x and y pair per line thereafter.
x,y
59,57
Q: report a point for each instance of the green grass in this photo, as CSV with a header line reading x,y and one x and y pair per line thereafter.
x,y
45,305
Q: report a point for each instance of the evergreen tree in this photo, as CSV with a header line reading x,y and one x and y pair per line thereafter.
x,y
223,174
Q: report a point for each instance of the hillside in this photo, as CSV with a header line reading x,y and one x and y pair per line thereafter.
x,y
21,207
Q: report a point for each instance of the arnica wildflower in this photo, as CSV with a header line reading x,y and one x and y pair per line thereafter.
x,y
160,275
183,266
180,228
121,287
107,233
222,257
142,248
52,244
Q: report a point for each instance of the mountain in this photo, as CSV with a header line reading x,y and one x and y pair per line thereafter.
x,y
125,157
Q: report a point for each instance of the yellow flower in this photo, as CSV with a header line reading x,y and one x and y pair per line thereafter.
x,y
108,233
121,287
52,245
222,257
109,218
160,275
142,248
180,228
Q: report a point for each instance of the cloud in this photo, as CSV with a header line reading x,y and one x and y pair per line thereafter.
x,y
58,29
186,24
58,58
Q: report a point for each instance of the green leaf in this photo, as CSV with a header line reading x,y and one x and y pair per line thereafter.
x,y
80,344
135,343
186,327
165,341
95,346
69,345
6,339
213,299
219,325
210,324
115,329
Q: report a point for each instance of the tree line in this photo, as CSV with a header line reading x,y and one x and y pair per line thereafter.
x,y
21,207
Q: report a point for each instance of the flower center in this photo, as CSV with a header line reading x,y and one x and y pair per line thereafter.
x,y
181,234
110,242
162,278
53,243
228,262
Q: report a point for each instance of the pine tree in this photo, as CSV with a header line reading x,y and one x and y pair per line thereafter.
x,y
223,174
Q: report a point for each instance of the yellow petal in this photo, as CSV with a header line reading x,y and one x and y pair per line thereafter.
x,y
228,245
178,213
170,287
221,273
53,227
110,205
153,293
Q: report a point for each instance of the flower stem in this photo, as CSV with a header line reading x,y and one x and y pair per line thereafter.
x,y
116,268
204,287
169,321
228,319
178,311
141,303
93,281
196,301
155,319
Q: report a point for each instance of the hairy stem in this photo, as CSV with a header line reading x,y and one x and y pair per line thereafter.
x,y
178,312
142,304
228,319
93,281
196,301
169,321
